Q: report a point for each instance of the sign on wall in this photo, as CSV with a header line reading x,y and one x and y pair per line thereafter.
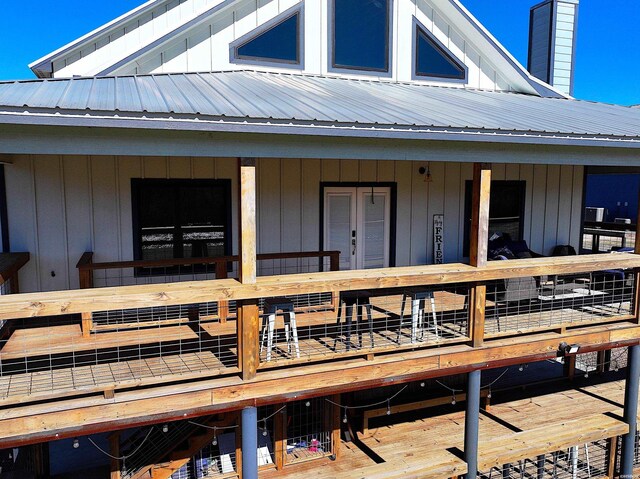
x,y
438,239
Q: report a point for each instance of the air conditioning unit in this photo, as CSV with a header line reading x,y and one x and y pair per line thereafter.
x,y
593,214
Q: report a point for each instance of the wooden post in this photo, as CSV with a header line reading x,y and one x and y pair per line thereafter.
x,y
85,274
87,324
114,447
248,316
239,444
247,176
335,425
223,305
635,307
280,439
613,453
479,239
570,367
478,248
478,303
248,337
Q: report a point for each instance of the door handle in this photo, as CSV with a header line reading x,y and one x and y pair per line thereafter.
x,y
353,242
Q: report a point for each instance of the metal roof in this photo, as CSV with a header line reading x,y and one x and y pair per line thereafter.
x,y
290,103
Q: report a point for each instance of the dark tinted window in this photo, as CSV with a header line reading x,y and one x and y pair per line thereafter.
x,y
181,218
361,34
506,210
432,60
279,43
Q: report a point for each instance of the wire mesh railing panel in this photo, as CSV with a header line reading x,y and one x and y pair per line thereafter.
x,y
215,460
279,266
316,326
308,435
583,461
534,303
604,243
44,355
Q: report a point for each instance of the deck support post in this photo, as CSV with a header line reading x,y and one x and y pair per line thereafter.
x,y
250,443
630,411
478,247
248,322
471,423
247,210
540,466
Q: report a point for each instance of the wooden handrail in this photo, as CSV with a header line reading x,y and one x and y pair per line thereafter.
x,y
10,264
85,262
150,295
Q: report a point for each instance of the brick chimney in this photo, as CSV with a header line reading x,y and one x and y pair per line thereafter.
x,y
552,42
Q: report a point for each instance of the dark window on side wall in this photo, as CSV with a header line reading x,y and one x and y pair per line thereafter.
x,y
181,218
280,43
361,34
506,211
432,60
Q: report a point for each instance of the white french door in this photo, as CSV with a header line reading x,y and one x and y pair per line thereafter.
x,y
357,223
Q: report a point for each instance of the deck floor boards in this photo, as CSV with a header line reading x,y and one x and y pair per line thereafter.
x,y
414,443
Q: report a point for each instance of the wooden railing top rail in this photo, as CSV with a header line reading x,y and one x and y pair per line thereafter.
x,y
10,264
142,296
86,263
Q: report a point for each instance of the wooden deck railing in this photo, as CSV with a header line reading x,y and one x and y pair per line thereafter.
x,y
10,264
165,332
217,267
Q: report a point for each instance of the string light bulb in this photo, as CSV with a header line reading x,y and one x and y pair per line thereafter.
x,y
453,399
215,437
165,428
388,407
76,443
344,419
308,403
422,384
489,394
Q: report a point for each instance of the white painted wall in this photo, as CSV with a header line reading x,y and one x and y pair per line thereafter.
x,y
61,206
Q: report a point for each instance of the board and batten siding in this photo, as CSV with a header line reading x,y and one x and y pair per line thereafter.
x,y
61,206
205,47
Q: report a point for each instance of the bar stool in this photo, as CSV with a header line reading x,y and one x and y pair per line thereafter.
x,y
352,299
271,308
419,299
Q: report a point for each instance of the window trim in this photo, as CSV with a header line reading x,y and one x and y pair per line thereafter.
x,y
416,28
136,184
235,58
335,68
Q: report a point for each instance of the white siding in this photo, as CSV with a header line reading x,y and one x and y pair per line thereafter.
x,y
206,48
60,207
130,37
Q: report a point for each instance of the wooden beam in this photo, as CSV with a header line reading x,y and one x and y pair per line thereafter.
x,y
35,423
247,269
248,338
87,324
480,214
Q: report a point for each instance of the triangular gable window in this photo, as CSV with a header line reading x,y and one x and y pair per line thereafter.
x,y
277,41
434,60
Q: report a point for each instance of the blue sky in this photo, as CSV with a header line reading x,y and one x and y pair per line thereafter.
x,y
608,57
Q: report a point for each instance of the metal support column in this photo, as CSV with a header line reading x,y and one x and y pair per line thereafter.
x,y
471,421
250,443
630,411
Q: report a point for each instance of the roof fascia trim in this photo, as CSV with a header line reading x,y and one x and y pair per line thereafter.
x,y
43,67
470,135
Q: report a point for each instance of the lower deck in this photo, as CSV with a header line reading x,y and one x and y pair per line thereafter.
x,y
518,428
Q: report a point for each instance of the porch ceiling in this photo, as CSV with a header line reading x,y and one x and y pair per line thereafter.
x,y
260,102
